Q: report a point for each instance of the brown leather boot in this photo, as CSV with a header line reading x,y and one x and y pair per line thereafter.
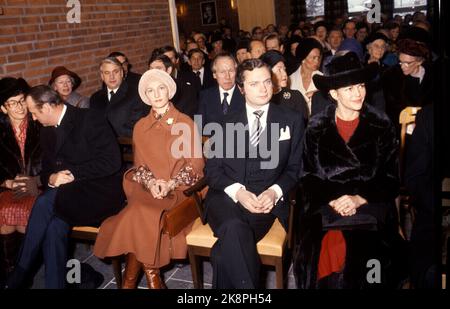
x,y
154,280
132,268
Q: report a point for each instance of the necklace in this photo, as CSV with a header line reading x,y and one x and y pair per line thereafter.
x,y
160,116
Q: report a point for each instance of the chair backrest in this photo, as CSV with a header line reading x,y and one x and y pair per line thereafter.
x,y
407,120
126,148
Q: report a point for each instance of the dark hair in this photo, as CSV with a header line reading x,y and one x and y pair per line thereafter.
x,y
117,54
163,58
348,21
166,49
256,29
219,56
44,94
11,87
195,51
319,24
249,65
272,58
274,36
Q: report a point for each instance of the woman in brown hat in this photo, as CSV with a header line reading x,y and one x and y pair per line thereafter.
x,y
20,165
65,82
410,83
155,185
350,180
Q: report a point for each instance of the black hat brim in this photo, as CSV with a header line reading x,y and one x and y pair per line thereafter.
x,y
347,78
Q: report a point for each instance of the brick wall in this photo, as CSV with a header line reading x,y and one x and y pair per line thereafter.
x,y
35,36
191,20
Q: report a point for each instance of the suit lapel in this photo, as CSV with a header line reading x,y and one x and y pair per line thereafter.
x,y
216,98
236,99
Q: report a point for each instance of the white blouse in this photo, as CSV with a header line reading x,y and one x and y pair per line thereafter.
x,y
297,84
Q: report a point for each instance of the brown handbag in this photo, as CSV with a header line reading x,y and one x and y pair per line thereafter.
x,y
179,217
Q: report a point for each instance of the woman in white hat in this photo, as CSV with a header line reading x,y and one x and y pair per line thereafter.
x,y
154,185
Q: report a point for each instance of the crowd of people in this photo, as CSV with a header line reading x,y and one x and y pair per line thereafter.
x,y
336,90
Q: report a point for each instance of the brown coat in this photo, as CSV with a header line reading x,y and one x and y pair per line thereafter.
x,y
138,227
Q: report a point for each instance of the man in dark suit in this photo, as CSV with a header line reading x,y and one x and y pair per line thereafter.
x,y
421,178
130,77
118,101
197,63
249,190
225,98
80,172
188,84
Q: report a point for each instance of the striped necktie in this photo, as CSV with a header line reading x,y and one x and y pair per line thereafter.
x,y
256,128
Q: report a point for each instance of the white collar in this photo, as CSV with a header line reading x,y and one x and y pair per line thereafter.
x,y
420,74
230,92
62,115
113,90
251,116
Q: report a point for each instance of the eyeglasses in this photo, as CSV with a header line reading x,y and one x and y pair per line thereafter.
x,y
14,103
407,64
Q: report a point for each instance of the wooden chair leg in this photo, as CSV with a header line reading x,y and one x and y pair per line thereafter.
x,y
196,269
117,269
279,272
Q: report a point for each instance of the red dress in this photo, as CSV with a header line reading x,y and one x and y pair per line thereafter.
x,y
15,211
333,249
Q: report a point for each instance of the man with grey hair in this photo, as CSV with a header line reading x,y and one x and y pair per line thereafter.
x,y
117,101
82,183
224,98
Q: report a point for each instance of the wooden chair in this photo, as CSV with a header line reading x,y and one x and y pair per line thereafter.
x,y
272,248
407,119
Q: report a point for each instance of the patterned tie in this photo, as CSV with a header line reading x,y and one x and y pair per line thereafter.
x,y
256,128
225,103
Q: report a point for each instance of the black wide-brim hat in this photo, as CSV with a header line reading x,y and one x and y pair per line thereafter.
x,y
10,87
345,70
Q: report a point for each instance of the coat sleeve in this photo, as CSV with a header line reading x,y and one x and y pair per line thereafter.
x,y
105,159
385,185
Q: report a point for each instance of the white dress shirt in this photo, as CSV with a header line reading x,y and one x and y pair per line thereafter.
x,y
109,92
62,115
230,94
234,188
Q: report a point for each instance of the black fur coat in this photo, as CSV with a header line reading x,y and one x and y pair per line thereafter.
x,y
367,166
10,157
